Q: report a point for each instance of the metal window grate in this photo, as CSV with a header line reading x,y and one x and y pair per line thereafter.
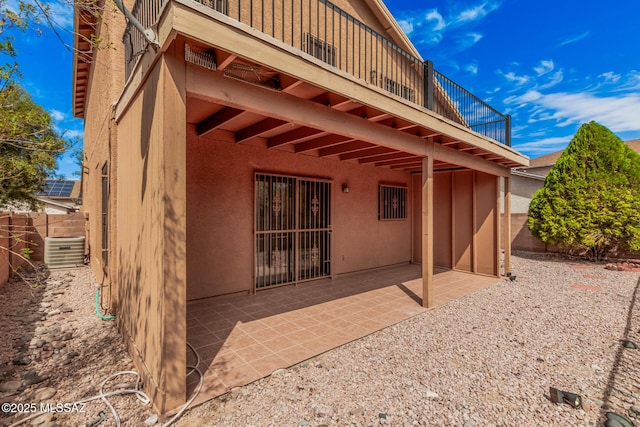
x,y
320,49
398,89
293,226
392,202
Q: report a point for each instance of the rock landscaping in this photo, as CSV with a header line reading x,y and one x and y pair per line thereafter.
x,y
54,350
489,359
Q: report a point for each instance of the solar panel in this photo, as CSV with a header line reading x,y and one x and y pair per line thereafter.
x,y
57,188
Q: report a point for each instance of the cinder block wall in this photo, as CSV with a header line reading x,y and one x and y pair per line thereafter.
x,y
29,230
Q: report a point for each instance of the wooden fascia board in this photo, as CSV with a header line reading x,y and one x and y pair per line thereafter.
x,y
193,21
214,87
381,12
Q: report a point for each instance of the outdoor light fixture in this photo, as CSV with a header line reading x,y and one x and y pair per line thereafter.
x,y
559,396
345,188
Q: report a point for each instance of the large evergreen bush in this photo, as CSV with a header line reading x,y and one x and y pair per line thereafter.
x,y
590,201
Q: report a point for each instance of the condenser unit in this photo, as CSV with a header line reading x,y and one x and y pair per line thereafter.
x,y
61,252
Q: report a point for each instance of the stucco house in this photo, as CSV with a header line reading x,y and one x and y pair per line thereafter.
x,y
526,180
235,146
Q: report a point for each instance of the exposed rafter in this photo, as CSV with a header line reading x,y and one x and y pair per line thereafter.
x,y
259,129
218,119
297,135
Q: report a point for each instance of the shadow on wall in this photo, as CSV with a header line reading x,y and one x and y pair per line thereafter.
x,y
151,258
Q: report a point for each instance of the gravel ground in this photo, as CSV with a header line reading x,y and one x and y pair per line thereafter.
x,y
488,359
55,350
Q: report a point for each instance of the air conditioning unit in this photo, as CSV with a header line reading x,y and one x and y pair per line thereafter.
x,y
64,252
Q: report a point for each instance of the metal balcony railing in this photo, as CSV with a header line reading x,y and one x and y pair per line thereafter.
x,y
328,33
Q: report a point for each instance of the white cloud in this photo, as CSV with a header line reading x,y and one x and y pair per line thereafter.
x,y
406,25
617,113
610,77
574,39
475,13
545,67
555,79
632,81
57,115
72,134
513,77
430,26
435,16
472,68
529,96
60,12
544,146
475,37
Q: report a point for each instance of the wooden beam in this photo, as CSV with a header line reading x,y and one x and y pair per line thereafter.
x,y
294,136
407,165
507,225
216,120
427,232
398,162
366,153
383,157
344,148
322,142
214,87
259,128
223,59
474,222
289,83
498,229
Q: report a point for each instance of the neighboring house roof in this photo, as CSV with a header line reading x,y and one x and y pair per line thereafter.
x,y
391,25
58,204
551,158
517,172
62,190
546,160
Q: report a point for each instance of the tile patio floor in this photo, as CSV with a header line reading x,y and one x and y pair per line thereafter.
x,y
242,338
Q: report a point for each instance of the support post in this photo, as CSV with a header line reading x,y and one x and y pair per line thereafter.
x,y
507,225
428,85
427,232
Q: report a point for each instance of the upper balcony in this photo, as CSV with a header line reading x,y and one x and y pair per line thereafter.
x,y
343,42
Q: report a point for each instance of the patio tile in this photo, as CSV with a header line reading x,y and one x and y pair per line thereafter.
x,y
280,343
199,329
240,375
239,339
268,364
203,339
296,354
280,327
253,352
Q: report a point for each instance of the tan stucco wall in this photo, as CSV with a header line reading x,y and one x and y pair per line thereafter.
x,y
151,217
100,143
522,190
220,204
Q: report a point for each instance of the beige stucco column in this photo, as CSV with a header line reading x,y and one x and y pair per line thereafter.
x,y
507,225
427,231
151,216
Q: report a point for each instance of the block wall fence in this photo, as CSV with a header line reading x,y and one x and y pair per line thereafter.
x,y
29,230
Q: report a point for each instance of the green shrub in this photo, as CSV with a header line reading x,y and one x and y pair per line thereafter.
x,y
590,201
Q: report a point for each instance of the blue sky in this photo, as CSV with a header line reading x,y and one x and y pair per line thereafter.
x,y
552,65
